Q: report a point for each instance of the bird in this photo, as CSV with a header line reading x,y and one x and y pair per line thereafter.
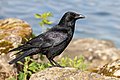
x,y
52,42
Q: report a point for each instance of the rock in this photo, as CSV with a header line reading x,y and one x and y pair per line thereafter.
x,y
97,52
13,32
56,73
111,69
5,69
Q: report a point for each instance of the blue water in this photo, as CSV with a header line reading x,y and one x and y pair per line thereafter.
x,y
102,16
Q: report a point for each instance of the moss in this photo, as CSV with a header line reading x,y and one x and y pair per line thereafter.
x,y
5,46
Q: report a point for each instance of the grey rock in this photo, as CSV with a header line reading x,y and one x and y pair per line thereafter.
x,y
57,73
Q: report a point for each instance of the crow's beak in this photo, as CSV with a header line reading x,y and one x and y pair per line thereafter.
x,y
79,16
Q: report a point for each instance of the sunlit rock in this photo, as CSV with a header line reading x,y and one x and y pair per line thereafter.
x,y
56,73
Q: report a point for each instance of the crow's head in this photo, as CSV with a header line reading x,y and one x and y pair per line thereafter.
x,y
70,17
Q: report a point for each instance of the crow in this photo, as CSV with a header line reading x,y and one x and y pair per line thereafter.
x,y
52,42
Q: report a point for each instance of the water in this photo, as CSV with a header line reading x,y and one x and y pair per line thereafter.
x,y
102,17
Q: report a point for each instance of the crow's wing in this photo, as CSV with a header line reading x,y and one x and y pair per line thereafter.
x,y
54,38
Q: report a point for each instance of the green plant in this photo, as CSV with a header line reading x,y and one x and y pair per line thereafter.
x,y
33,67
76,62
28,69
44,18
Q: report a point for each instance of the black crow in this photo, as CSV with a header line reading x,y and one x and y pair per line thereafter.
x,y
52,42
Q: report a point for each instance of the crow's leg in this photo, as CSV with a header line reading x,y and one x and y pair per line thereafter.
x,y
51,62
57,65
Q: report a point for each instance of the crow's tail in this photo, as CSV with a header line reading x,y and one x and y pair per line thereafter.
x,y
16,49
22,47
24,54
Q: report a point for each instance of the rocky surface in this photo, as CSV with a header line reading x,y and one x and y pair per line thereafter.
x,y
56,73
13,32
5,69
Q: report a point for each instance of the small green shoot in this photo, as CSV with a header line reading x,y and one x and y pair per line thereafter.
x,y
44,18
77,63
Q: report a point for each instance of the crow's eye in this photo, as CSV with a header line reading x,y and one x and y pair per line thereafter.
x,y
73,14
